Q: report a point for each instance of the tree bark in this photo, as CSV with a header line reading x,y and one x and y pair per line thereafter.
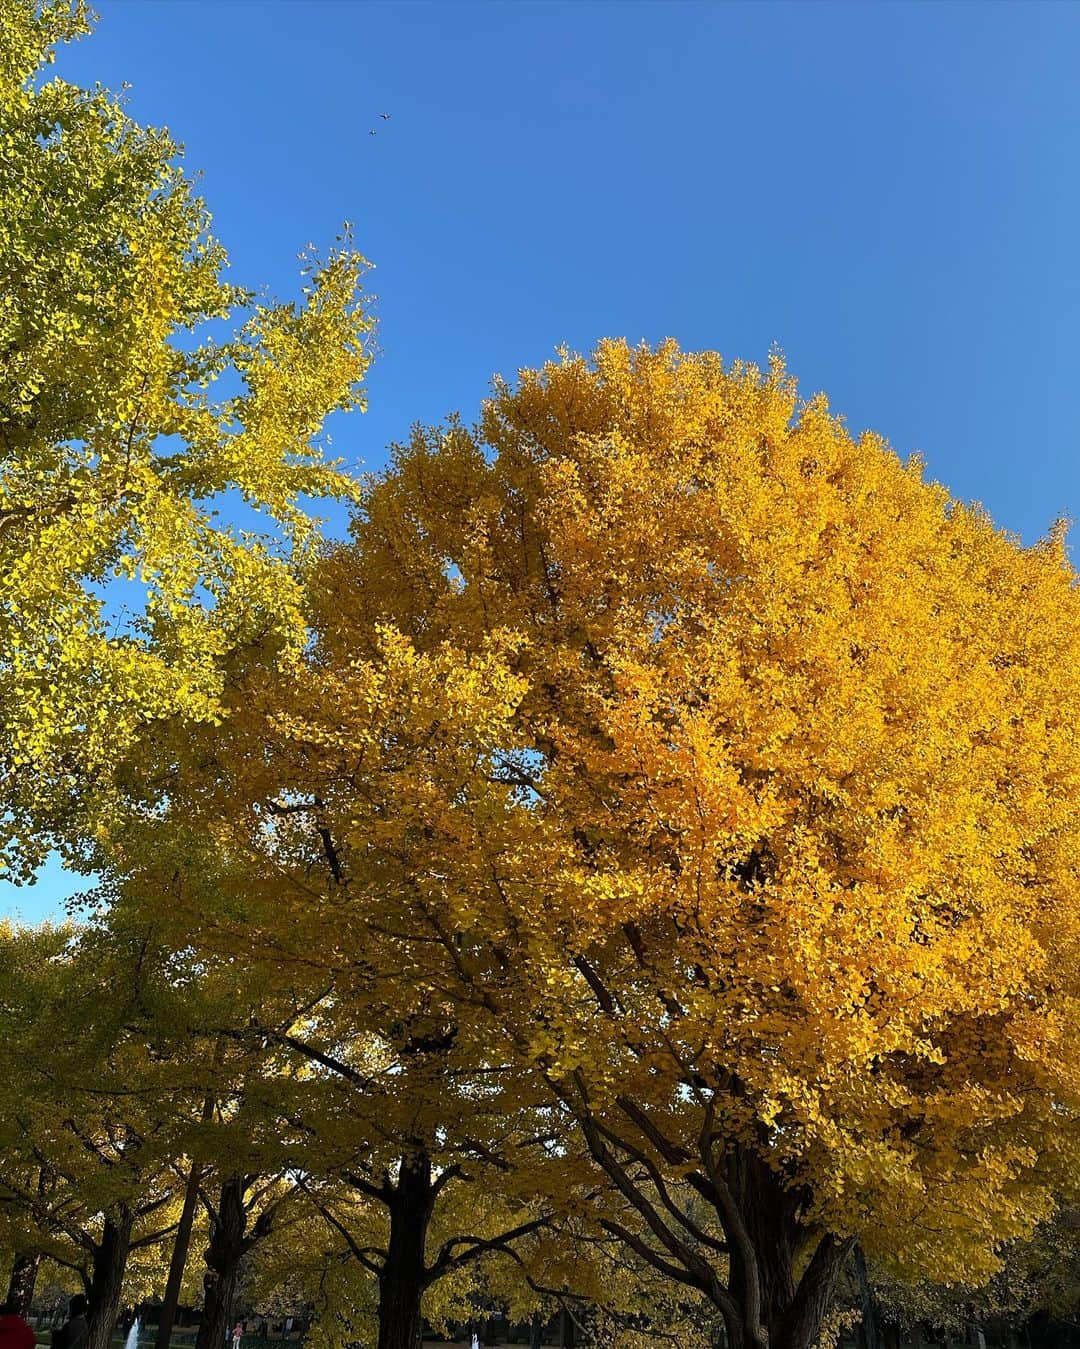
x,y
536,1331
801,1322
775,1310
107,1277
869,1336
178,1261
566,1329
24,1274
403,1277
223,1256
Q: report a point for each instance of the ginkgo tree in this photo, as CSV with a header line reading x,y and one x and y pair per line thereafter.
x,y
420,1152
136,441
719,768
93,1110
424,1160
121,1105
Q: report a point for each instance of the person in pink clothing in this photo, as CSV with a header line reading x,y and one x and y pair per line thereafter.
x,y
15,1333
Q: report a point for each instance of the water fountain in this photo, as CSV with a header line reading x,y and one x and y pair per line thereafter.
x,y
132,1341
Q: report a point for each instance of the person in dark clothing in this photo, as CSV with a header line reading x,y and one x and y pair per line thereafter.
x,y
15,1332
75,1331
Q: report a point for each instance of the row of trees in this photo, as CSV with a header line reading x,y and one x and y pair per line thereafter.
x,y
147,1105
192,1138
640,862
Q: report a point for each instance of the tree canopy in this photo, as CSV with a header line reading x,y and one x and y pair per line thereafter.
x,y
720,768
126,421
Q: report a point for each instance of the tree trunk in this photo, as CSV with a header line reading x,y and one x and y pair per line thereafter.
x,y
802,1320
536,1331
223,1255
566,1329
869,1337
24,1274
401,1283
107,1278
776,1310
177,1263
770,1296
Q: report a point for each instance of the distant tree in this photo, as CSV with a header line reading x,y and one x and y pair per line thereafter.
x,y
1038,1282
422,1156
91,1114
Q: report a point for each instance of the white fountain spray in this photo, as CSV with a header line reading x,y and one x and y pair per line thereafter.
x,y
132,1341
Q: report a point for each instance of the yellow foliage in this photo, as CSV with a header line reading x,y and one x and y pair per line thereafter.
x,y
794,770
122,429
719,769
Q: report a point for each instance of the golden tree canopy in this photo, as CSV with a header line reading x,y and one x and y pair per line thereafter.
x,y
797,777
723,768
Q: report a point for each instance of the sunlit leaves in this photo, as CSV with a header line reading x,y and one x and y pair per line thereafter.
x,y
801,782
127,429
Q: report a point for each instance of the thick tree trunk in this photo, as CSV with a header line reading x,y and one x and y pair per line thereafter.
x,y
566,1329
536,1332
107,1278
802,1320
401,1283
776,1310
24,1274
770,1295
171,1300
223,1256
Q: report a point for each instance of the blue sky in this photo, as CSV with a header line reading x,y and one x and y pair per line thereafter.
x,y
889,192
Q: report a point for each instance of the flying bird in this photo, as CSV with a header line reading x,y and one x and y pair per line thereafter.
x,y
385,116
373,132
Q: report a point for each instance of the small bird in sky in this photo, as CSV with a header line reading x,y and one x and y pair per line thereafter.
x,y
385,116
373,132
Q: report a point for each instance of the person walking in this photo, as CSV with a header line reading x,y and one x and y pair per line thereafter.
x,y
237,1335
15,1332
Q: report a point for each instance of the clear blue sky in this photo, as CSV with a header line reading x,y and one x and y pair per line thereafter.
x,y
889,192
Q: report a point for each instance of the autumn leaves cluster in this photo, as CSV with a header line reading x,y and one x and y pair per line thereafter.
x,y
633,871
